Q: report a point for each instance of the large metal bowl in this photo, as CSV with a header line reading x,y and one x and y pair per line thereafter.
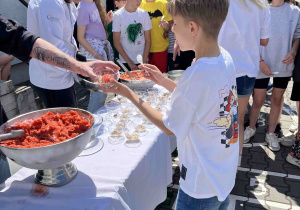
x,y
138,84
53,156
175,75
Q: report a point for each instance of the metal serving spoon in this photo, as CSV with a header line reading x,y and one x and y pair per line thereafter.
x,y
131,75
12,134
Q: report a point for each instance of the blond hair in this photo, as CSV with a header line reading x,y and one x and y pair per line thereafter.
x,y
209,14
260,3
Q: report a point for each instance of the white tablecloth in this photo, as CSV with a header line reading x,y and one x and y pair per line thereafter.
x,y
117,177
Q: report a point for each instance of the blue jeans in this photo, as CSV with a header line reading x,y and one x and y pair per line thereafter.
x,y
185,202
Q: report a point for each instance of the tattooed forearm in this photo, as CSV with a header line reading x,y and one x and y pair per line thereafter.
x,y
49,57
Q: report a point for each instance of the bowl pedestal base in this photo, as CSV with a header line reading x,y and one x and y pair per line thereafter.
x,y
56,177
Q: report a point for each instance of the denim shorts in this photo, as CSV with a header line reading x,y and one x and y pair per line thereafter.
x,y
185,202
245,86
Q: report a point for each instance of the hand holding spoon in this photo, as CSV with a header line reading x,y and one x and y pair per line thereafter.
x,y
139,59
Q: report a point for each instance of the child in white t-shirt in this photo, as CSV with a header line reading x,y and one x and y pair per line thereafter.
x,y
203,109
131,34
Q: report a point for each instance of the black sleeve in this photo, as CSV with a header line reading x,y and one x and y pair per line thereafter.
x,y
15,39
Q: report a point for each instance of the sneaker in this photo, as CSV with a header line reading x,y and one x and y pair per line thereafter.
x,y
294,127
248,133
288,140
272,140
278,132
293,161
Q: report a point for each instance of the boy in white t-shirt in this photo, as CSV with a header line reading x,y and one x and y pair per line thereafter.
x,y
203,109
131,33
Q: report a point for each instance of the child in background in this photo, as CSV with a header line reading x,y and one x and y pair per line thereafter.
x,y
294,156
246,27
160,27
131,33
172,65
203,109
277,61
119,4
91,23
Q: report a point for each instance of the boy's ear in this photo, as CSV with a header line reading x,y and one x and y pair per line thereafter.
x,y
194,28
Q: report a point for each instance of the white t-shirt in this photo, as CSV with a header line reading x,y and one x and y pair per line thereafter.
x,y
241,33
132,27
203,117
54,22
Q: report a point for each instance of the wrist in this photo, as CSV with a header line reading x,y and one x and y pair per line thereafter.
x,y
95,54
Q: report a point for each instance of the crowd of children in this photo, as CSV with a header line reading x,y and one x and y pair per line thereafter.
x,y
235,49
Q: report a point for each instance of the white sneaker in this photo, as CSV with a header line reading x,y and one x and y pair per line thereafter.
x,y
272,141
288,141
294,127
293,160
248,133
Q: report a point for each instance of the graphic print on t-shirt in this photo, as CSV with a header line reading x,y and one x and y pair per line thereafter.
x,y
134,31
228,116
155,14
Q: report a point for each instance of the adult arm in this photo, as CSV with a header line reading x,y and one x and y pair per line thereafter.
x,y
15,40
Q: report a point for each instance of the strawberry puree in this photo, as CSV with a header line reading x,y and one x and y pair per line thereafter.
x,y
47,130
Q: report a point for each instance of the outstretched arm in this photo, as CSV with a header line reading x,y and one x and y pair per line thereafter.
x,y
49,54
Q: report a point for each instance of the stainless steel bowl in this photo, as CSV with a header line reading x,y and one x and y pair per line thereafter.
x,y
52,156
175,75
53,162
138,84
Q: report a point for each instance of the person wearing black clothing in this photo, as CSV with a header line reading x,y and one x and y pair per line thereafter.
x,y
294,155
16,41
110,5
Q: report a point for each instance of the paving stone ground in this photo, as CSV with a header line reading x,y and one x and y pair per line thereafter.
x,y
264,179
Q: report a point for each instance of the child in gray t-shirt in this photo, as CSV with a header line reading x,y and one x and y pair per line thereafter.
x,y
277,61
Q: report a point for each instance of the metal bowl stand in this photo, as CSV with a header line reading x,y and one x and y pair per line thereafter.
x,y
56,177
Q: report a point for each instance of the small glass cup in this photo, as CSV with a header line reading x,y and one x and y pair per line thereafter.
x,y
104,77
153,92
116,132
140,128
133,137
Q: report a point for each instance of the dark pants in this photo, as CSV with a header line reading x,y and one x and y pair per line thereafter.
x,y
3,117
4,167
172,65
186,59
57,98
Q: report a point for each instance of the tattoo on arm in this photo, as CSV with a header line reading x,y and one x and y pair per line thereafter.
x,y
49,57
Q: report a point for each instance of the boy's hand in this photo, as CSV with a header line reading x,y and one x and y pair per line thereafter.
x,y
289,58
165,25
132,66
110,17
118,88
153,73
265,68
